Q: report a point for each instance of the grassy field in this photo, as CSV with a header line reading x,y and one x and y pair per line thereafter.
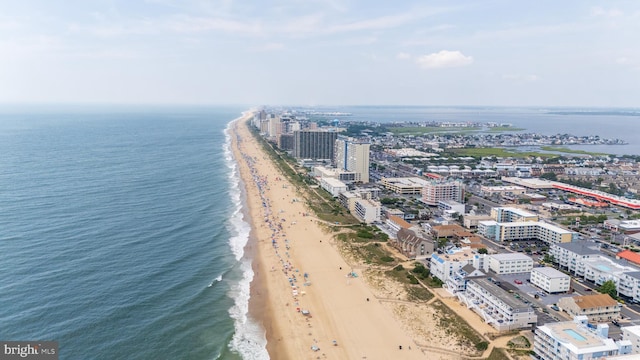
x,y
420,130
571,151
499,152
505,128
497,354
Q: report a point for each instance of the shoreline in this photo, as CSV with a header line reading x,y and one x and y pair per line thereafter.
x,y
341,322
259,304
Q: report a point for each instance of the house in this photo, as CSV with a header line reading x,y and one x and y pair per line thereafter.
x,y
413,245
596,307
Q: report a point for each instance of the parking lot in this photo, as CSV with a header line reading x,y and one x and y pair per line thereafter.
x,y
527,293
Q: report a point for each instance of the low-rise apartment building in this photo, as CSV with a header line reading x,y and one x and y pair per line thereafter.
x,y
596,307
576,340
569,256
496,306
550,280
509,263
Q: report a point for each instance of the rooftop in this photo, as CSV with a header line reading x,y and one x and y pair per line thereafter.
x,y
594,301
399,221
510,256
581,248
501,294
577,338
537,223
632,256
456,255
550,272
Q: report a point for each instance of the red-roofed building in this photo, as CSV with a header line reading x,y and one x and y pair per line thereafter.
x,y
632,256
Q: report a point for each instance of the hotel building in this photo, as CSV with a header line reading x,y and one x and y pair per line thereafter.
x,y
525,230
511,214
314,144
353,155
437,190
576,340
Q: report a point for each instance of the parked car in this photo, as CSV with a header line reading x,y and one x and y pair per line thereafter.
x,y
555,308
517,281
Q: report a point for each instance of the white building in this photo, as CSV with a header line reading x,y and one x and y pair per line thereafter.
x,y
569,255
496,306
550,280
445,266
367,211
509,263
353,155
333,186
525,230
632,334
513,190
575,340
451,205
404,186
584,261
320,172
511,214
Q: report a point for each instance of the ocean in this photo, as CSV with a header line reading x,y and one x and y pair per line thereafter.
x,y
122,234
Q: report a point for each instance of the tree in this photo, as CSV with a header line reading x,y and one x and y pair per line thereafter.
x,y
548,258
609,287
549,176
483,251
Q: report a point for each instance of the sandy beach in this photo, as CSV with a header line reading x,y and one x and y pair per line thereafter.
x,y
313,303
294,255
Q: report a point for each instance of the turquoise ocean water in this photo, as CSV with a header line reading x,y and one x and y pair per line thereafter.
x,y
122,235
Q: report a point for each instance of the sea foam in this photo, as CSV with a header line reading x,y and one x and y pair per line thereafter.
x,y
249,339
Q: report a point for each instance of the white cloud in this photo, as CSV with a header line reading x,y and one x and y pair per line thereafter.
x,y
403,56
521,77
623,61
191,24
269,47
601,12
443,59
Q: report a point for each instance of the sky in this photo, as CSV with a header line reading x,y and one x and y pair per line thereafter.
x,y
321,52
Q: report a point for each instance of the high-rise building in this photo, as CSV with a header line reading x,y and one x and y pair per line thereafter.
x,y
314,144
353,155
436,190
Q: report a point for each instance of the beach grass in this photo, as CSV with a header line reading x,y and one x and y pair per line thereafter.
x,y
498,354
456,326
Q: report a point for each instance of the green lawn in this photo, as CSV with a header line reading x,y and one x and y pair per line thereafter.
x,y
500,152
571,151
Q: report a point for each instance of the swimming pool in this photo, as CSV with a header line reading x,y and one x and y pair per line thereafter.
x,y
575,335
603,267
